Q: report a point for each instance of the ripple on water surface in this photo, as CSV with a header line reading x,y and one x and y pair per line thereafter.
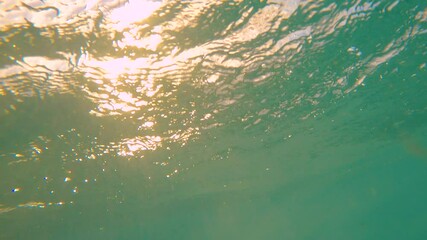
x,y
105,103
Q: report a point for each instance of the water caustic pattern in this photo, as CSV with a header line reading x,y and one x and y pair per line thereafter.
x,y
235,119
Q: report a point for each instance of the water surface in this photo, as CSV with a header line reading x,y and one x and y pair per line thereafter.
x,y
235,119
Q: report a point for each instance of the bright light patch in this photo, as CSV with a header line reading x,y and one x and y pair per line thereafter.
x,y
132,12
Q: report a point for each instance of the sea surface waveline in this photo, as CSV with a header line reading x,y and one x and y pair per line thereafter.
x,y
213,119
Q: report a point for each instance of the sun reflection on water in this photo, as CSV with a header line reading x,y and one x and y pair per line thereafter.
x,y
132,12
131,84
149,78
128,85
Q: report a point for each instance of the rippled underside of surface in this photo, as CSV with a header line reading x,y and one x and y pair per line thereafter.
x,y
213,119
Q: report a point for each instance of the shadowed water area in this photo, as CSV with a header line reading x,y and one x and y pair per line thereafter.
x,y
214,119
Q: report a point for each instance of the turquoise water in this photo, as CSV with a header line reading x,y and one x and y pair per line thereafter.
x,y
213,119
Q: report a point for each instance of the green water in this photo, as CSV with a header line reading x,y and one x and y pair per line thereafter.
x,y
213,119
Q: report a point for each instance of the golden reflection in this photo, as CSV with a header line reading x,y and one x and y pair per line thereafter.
x,y
151,42
123,85
109,96
129,147
6,209
132,12
130,85
32,74
34,204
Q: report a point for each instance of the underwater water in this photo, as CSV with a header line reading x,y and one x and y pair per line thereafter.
x,y
212,119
